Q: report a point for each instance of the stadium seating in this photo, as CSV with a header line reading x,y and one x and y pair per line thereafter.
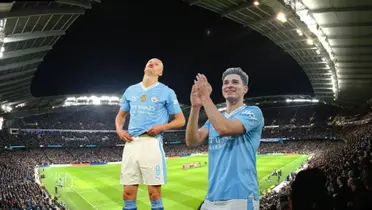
x,y
310,129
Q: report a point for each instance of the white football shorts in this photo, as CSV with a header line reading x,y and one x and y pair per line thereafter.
x,y
143,162
236,204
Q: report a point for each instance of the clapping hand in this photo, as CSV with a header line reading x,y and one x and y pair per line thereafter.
x,y
195,99
203,87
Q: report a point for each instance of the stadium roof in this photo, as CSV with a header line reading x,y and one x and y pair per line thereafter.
x,y
330,39
28,30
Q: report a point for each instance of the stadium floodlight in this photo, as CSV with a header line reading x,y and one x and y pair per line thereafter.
x,y
323,59
309,41
256,3
71,99
95,100
281,17
82,98
318,52
114,98
315,100
306,17
299,32
6,108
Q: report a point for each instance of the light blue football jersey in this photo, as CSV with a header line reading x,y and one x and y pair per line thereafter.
x,y
148,106
232,159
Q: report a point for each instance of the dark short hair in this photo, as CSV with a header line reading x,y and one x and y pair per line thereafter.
x,y
238,71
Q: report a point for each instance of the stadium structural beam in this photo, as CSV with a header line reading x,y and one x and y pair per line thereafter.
x,y
365,36
32,35
314,62
340,25
323,92
355,81
6,7
341,74
351,77
18,53
351,46
265,20
316,68
86,4
300,49
355,77
16,94
351,71
16,98
353,62
321,84
291,41
319,74
9,87
353,54
14,90
321,88
342,9
17,74
16,81
20,64
270,33
307,56
236,8
193,2
41,11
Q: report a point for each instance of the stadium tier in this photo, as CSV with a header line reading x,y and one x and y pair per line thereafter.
x,y
295,136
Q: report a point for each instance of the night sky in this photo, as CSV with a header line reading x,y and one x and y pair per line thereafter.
x,y
106,50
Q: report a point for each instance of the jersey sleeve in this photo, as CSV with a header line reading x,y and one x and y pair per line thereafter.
x,y
172,104
251,118
207,124
125,105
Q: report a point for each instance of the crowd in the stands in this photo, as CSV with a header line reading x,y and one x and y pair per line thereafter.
x,y
345,167
338,178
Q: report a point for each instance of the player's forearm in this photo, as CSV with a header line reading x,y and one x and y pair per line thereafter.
x,y
192,136
219,122
176,123
119,122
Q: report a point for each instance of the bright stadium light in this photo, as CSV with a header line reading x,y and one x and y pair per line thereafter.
x,y
305,15
95,100
281,17
256,3
299,32
114,98
318,52
309,41
315,100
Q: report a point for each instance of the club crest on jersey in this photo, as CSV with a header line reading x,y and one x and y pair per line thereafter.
x,y
250,114
143,98
154,99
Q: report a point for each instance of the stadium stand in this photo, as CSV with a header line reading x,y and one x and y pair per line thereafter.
x,y
84,134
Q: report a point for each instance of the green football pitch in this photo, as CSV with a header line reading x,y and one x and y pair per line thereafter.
x,y
98,187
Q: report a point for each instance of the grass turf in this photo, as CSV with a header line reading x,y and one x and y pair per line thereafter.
x,y
98,187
